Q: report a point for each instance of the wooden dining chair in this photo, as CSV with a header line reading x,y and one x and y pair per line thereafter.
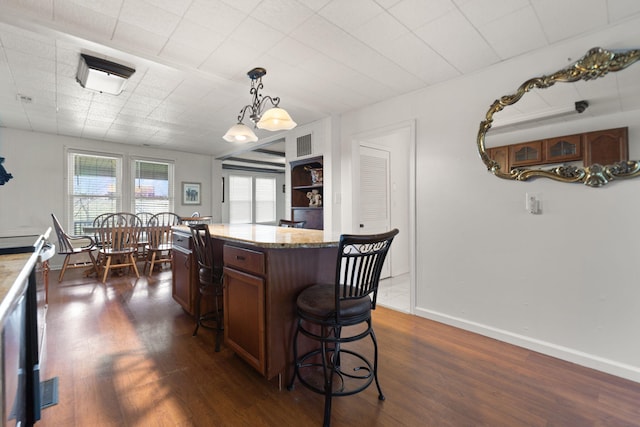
x,y
74,247
119,235
159,235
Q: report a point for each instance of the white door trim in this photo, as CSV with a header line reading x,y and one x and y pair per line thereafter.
x,y
362,138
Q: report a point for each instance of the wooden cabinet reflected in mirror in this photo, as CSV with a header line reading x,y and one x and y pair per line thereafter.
x,y
602,147
585,155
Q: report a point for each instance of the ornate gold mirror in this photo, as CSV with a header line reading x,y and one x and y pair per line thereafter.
x,y
596,64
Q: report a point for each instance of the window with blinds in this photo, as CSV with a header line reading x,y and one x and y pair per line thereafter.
x,y
252,199
240,199
94,187
265,200
152,184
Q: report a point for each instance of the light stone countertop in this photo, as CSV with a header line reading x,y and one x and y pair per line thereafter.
x,y
270,236
14,272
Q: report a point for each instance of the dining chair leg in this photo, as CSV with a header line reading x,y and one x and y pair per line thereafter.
x,y
106,269
64,268
133,264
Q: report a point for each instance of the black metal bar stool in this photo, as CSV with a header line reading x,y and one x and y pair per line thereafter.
x,y
326,310
210,276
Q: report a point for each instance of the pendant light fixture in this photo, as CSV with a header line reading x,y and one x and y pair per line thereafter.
x,y
273,119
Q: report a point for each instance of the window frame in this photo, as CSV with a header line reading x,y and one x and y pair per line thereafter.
x,y
125,181
69,177
254,201
170,178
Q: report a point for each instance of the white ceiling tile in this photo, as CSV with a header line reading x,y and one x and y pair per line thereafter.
x,y
323,57
483,12
387,3
379,30
314,4
188,54
419,59
38,9
109,8
525,33
152,19
416,13
621,9
285,15
324,36
291,52
458,42
245,6
71,14
177,7
215,15
138,39
251,30
231,60
562,19
181,46
29,43
351,14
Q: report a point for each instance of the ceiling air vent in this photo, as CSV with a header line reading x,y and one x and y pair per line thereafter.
x,y
303,145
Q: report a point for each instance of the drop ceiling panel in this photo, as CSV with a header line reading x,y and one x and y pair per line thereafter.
x,y
323,57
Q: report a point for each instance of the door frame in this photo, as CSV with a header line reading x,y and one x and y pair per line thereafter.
x,y
365,138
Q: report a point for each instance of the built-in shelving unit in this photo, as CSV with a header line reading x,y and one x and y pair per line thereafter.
x,y
301,184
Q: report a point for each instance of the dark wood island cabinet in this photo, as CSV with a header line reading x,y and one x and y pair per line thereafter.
x,y
265,267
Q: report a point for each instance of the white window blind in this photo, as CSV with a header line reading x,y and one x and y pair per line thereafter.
x,y
240,199
265,200
152,184
94,187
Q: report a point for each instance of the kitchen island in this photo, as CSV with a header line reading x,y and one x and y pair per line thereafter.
x,y
265,267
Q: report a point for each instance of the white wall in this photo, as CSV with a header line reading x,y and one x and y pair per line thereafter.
x,y
562,282
37,161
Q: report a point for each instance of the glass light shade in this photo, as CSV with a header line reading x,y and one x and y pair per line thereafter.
x,y
240,133
276,119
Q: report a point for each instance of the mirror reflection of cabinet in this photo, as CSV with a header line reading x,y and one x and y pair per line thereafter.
x,y
603,147
606,147
527,153
301,184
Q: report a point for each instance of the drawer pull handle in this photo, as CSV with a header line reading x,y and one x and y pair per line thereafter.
x,y
179,239
240,258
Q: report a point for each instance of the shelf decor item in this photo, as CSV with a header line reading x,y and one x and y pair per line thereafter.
x,y
191,193
316,175
315,198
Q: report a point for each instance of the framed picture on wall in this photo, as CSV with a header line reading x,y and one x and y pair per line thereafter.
x,y
191,193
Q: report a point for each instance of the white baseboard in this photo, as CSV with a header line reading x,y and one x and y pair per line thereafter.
x,y
568,354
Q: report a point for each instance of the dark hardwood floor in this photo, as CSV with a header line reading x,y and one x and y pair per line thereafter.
x,y
124,356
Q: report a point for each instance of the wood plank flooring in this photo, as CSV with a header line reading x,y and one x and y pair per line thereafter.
x,y
124,356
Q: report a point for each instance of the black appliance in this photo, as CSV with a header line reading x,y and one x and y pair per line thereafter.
x,y
21,371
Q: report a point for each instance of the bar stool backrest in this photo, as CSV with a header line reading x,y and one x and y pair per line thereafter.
x,y
360,261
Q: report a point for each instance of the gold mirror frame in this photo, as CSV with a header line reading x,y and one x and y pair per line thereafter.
x,y
596,63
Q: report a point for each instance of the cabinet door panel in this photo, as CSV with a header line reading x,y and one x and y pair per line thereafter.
x,y
244,316
563,149
606,147
182,286
527,153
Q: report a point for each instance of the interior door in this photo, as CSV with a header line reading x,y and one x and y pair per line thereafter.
x,y
374,195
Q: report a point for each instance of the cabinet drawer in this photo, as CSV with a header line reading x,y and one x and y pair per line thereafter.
x,y
181,240
244,259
